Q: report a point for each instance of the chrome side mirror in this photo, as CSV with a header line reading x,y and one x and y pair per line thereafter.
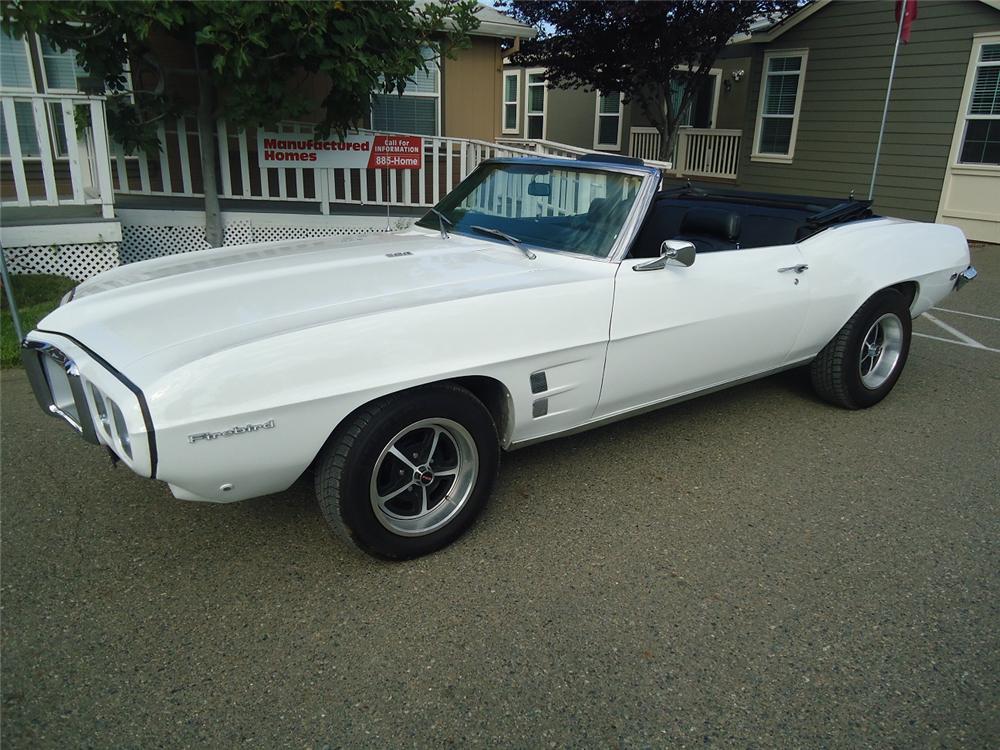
x,y
681,252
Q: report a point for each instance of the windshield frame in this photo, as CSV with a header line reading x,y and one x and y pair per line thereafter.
x,y
630,226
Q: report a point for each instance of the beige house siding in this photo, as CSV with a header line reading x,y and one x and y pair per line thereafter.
x,y
850,48
471,94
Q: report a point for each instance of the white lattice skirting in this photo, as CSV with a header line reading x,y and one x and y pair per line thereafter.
x,y
78,262
153,234
142,242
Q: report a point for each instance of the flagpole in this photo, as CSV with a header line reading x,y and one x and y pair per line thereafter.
x,y
888,93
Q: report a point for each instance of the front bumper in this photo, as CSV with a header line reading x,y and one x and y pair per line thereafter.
x,y
963,278
73,383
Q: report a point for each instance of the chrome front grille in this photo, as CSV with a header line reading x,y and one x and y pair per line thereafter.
x,y
63,403
58,387
77,385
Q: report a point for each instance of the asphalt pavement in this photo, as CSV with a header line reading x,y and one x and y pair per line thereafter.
x,y
750,569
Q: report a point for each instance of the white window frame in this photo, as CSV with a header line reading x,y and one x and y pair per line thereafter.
x,y
597,122
31,67
45,78
979,41
755,154
527,100
436,64
516,75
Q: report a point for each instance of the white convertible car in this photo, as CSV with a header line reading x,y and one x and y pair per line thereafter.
x,y
540,297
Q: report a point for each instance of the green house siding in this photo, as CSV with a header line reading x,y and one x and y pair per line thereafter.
x,y
850,51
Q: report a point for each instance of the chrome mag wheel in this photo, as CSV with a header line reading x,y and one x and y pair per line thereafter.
x,y
880,351
424,477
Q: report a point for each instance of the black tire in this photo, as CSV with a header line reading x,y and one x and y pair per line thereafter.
x,y
346,487
836,372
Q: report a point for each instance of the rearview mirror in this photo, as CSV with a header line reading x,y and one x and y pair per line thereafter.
x,y
540,189
679,252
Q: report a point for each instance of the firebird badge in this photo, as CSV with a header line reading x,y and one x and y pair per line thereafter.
x,y
238,430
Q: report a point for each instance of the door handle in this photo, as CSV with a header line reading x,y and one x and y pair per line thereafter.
x,y
798,269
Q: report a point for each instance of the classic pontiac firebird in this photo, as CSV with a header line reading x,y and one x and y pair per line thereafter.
x,y
539,298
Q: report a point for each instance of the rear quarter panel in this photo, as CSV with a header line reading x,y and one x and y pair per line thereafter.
x,y
850,263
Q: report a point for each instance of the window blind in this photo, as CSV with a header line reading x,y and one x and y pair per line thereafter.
x,y
405,114
15,72
27,135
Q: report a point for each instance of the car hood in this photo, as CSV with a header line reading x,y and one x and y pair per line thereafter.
x,y
186,306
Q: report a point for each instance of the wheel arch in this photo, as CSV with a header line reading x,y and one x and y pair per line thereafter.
x,y
492,393
909,289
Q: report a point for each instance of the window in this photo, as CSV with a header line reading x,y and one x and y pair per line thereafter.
x,y
562,207
534,111
16,76
981,141
417,110
511,103
778,106
15,64
608,121
61,70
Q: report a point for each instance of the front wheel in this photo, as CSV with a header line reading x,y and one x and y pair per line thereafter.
x,y
406,475
862,363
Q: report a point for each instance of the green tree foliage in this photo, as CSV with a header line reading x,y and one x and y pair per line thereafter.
x,y
645,50
245,61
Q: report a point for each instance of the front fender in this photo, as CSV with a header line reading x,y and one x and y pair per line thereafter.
x,y
305,382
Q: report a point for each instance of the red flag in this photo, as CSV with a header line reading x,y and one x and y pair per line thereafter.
x,y
909,16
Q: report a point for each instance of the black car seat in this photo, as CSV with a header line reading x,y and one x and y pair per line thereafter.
x,y
710,229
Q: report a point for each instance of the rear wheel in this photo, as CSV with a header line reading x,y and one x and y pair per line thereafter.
x,y
862,363
406,475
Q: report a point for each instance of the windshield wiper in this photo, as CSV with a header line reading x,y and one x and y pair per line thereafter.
x,y
504,236
442,220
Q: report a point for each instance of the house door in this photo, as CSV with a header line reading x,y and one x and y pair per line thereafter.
x,y
972,180
702,110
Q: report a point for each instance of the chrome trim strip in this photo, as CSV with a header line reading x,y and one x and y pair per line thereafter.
x,y
586,426
635,220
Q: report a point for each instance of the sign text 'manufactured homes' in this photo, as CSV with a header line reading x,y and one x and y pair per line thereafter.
x,y
361,151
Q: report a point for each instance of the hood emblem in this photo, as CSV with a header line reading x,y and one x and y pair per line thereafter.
x,y
397,255
238,430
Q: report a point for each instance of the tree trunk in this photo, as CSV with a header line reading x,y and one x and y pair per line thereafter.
x,y
214,234
667,140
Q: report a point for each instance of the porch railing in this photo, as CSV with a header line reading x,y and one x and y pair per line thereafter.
x,y
699,152
177,170
551,148
707,152
54,151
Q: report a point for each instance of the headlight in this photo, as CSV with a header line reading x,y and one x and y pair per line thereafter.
x,y
121,428
102,409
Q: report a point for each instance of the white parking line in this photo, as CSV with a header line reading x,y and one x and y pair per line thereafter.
x,y
954,332
971,315
960,343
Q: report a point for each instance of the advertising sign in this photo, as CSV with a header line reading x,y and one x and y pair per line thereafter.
x,y
358,151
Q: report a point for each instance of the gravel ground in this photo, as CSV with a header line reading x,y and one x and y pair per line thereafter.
x,y
753,569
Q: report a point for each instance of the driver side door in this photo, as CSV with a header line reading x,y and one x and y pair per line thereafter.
x,y
678,330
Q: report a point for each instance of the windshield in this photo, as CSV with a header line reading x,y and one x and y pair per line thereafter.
x,y
568,209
